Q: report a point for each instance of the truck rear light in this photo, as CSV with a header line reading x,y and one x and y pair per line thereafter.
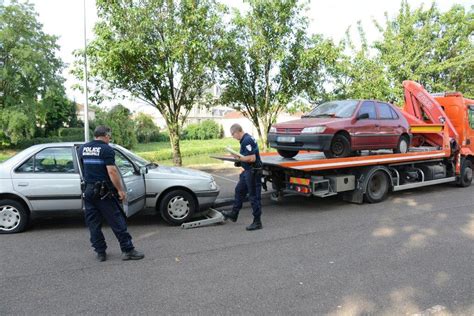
x,y
301,189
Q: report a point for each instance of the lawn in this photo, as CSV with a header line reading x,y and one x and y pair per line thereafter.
x,y
162,151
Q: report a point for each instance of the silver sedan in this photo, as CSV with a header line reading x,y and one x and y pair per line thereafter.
x,y
47,177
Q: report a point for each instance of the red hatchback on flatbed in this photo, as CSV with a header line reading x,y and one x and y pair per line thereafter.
x,y
342,128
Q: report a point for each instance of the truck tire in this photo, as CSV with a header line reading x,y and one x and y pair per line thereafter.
x,y
465,178
14,217
377,187
287,153
340,147
177,207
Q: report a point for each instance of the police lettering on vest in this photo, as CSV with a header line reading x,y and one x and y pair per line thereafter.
x,y
96,156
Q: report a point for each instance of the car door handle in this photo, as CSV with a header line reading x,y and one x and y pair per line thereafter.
x,y
22,184
377,125
399,126
130,190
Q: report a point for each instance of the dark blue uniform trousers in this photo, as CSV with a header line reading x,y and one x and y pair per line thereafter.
x,y
96,211
252,184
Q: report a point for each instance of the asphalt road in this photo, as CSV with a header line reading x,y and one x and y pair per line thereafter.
x,y
411,254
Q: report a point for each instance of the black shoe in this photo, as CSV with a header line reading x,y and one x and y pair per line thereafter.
x,y
254,226
101,256
133,255
230,215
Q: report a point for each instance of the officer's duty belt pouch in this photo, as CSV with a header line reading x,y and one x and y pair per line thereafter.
x,y
100,189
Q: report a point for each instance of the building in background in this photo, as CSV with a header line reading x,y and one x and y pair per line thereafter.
x,y
80,112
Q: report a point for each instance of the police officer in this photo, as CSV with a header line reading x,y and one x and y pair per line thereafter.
x,y
103,184
250,179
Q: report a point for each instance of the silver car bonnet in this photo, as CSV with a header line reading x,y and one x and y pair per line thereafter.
x,y
177,173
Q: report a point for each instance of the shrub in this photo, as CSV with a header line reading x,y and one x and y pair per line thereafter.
x,y
207,129
72,131
145,128
161,137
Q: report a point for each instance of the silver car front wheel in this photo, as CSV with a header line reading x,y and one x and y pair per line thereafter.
x,y
13,217
177,206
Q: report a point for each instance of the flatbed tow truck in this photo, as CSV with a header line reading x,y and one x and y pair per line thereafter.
x,y
441,151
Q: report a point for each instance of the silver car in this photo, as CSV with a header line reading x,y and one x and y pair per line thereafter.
x,y
47,177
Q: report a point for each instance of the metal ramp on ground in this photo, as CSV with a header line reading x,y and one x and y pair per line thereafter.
x,y
212,217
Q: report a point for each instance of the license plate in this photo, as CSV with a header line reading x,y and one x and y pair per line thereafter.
x,y
283,139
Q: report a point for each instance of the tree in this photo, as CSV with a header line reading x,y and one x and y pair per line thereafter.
x,y
267,59
55,111
119,119
433,48
160,51
30,80
362,74
145,128
16,126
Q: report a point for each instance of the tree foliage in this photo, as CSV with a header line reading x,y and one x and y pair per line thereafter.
x,y
433,48
145,128
261,58
207,129
119,119
160,51
30,82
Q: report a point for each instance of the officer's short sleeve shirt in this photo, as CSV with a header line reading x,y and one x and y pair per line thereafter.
x,y
248,146
96,156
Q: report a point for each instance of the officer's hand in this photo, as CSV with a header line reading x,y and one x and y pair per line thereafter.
x,y
122,195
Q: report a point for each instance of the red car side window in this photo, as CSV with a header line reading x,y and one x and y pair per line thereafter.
x,y
368,107
385,112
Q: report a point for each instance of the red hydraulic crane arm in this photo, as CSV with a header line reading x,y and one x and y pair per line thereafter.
x,y
421,108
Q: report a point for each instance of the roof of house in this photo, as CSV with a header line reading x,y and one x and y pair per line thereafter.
x,y
233,115
80,107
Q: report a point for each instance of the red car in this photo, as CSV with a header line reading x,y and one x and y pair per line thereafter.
x,y
341,128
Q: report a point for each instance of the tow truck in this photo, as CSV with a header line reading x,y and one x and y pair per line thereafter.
x,y
441,151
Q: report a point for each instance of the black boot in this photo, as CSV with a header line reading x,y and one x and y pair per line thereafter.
x,y
257,224
101,256
230,215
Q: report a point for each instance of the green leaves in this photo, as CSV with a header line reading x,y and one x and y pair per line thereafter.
x,y
31,87
260,60
160,51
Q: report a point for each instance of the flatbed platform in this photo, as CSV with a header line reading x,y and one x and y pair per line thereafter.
x,y
314,161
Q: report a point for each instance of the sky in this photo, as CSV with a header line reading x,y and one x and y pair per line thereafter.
x,y
65,18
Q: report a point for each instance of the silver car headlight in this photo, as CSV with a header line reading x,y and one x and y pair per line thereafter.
x,y
272,130
313,130
213,185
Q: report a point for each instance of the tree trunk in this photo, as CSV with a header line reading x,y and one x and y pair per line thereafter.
x,y
262,136
174,139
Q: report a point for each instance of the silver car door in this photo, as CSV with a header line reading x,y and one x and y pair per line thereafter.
x,y
133,182
50,180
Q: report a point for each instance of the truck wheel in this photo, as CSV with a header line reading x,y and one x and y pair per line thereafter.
x,y
465,178
403,144
287,153
14,217
177,207
340,147
377,187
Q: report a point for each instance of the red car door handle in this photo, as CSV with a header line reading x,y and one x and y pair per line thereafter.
x,y
377,125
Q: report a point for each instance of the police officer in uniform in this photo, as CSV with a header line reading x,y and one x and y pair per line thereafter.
x,y
103,189
250,179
